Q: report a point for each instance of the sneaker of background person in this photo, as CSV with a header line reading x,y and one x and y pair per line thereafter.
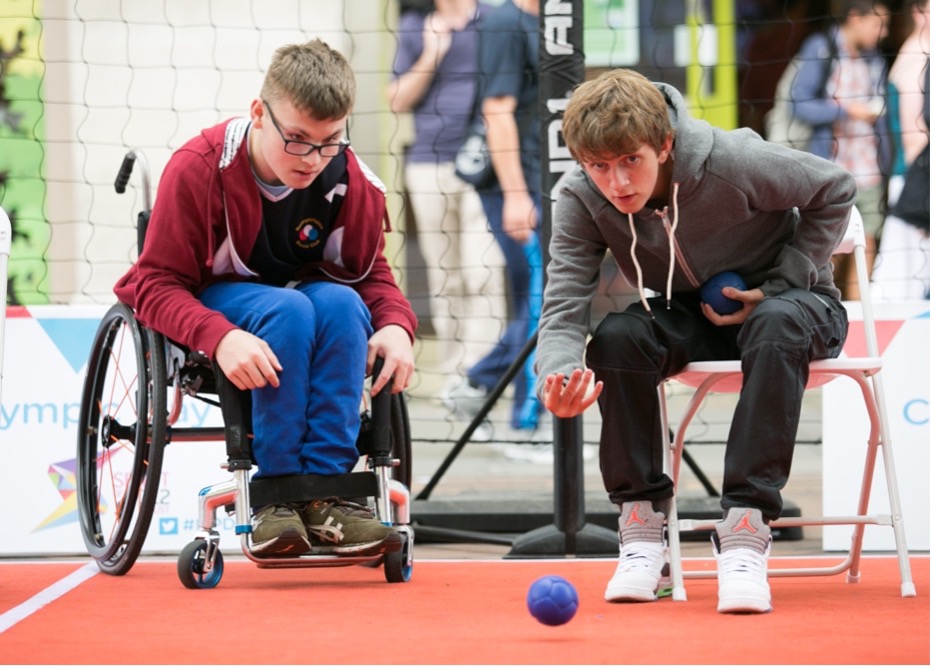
x,y
464,398
278,531
345,527
535,446
642,573
535,454
484,431
741,545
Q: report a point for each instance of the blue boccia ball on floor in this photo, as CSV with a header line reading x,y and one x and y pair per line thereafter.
x,y
552,600
711,292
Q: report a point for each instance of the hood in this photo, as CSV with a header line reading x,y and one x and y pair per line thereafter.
x,y
693,143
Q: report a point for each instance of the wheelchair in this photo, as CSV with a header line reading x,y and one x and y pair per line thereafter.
x,y
132,398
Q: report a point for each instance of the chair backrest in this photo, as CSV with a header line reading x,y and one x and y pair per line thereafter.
x,y
854,235
854,242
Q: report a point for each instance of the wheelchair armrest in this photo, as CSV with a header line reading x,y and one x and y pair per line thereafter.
x,y
235,412
374,438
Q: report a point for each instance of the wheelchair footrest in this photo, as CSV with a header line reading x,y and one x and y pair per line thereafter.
x,y
284,489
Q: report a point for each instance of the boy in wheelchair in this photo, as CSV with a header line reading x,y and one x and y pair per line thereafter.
x,y
264,251
677,201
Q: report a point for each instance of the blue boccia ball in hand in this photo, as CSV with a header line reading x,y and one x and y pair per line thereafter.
x,y
552,600
711,292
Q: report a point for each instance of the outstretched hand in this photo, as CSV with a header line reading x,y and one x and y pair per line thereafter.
x,y
567,400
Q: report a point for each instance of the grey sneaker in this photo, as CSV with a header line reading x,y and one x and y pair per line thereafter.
x,y
345,527
642,573
278,530
464,399
536,446
536,454
741,545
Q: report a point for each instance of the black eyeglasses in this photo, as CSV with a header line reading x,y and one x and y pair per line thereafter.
x,y
296,148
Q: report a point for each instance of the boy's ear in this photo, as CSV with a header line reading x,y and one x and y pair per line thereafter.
x,y
665,150
256,112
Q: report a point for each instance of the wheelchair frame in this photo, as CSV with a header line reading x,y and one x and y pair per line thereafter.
x,y
132,399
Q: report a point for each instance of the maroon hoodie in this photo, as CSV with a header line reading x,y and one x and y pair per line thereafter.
x,y
205,223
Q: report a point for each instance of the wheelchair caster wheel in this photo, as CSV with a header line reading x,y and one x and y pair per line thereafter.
x,y
397,565
191,566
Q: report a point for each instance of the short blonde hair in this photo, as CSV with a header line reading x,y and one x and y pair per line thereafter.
x,y
314,77
614,115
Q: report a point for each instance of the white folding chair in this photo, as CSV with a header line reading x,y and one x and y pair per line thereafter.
x,y
726,377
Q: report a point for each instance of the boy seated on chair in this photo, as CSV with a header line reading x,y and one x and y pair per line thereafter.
x,y
677,201
265,252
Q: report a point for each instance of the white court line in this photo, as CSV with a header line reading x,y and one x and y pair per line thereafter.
x,y
47,596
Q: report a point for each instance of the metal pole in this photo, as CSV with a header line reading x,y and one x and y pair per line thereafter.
x,y
561,68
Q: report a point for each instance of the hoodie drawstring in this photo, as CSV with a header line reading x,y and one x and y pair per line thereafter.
x,y
636,265
670,232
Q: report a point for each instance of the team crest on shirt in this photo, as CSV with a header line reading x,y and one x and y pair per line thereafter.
x,y
309,233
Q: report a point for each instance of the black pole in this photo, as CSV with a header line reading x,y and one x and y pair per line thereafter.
x,y
561,68
569,478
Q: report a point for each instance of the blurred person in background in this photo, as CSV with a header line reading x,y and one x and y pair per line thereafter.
x,y
847,112
509,68
435,79
902,265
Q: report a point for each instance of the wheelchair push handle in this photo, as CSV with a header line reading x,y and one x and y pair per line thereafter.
x,y
123,176
126,169
120,185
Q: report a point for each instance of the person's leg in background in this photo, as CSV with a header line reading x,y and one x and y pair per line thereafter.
x,y
463,266
436,224
484,309
524,288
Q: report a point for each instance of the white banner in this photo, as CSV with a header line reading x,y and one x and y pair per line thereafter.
x,y
903,337
46,352
47,348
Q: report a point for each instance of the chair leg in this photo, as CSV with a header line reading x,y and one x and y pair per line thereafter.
x,y
879,438
907,587
669,457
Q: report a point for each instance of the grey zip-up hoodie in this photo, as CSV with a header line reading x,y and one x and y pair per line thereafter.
x,y
772,214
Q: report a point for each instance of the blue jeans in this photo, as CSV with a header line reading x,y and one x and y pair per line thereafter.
x,y
524,284
319,333
633,351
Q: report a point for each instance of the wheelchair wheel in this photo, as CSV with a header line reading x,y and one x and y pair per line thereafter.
x,y
397,566
122,434
401,437
192,562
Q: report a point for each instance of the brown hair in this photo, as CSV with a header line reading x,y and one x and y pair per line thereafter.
x,y
842,9
614,115
314,77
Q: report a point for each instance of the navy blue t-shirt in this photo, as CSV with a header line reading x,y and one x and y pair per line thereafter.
x,y
509,65
296,225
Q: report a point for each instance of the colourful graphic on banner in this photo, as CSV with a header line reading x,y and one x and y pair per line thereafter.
x,y
62,475
22,130
72,337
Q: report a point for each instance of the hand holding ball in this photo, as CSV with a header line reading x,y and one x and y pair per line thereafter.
x,y
711,292
552,600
